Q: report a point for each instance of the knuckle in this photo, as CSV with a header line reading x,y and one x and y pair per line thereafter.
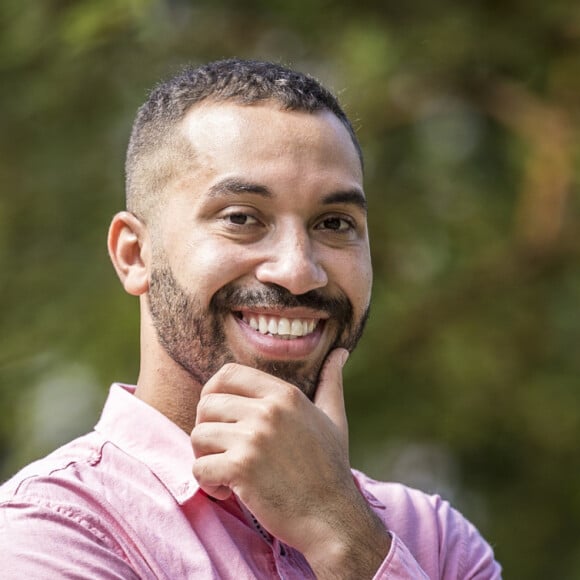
x,y
199,439
199,470
294,397
202,406
270,411
286,400
257,439
223,376
198,432
228,371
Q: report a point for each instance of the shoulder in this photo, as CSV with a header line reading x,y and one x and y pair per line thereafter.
x,y
56,512
59,488
67,488
68,463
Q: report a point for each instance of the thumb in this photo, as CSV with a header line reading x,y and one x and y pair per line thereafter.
x,y
329,394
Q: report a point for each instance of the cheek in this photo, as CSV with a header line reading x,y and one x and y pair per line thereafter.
x,y
366,276
354,277
206,267
361,291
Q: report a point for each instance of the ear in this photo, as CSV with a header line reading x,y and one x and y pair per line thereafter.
x,y
128,244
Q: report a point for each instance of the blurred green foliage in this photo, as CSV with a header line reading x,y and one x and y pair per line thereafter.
x,y
466,383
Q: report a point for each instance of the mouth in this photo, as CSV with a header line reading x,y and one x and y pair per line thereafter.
x,y
283,335
282,327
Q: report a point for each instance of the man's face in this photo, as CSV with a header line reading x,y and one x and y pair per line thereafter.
x,y
261,251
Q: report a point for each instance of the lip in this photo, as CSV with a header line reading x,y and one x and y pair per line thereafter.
x,y
273,347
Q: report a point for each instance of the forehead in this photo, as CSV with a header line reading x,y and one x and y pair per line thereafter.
x,y
227,135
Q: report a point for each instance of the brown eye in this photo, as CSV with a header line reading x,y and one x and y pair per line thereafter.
x,y
241,219
238,218
336,224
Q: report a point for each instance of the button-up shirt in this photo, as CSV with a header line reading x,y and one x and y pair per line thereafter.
x,y
121,503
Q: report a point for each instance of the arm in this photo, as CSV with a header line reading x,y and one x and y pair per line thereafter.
x,y
429,533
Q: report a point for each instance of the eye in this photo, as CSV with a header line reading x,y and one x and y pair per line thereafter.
x,y
241,219
336,224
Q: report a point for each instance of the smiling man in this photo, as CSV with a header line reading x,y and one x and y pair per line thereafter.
x,y
245,239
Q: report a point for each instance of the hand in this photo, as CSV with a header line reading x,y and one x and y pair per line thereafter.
x,y
286,459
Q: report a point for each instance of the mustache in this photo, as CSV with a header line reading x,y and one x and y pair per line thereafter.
x,y
338,307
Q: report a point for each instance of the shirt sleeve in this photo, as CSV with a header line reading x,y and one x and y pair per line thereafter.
x,y
56,541
399,563
464,552
473,561
429,538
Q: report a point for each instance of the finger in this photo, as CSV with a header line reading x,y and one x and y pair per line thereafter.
x,y
211,438
220,492
212,473
329,394
237,379
222,407
201,473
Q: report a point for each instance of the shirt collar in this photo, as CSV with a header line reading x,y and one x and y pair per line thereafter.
x,y
150,437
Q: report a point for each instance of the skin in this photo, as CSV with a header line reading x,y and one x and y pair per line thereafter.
x,y
274,199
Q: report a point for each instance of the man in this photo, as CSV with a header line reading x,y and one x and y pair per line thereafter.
x,y
245,238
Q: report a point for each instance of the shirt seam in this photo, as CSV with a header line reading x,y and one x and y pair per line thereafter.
x,y
463,556
93,459
72,513
22,496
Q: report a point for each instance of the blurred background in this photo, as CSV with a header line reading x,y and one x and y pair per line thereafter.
x,y
466,383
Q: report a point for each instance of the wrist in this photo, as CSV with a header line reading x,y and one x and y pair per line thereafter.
x,y
352,547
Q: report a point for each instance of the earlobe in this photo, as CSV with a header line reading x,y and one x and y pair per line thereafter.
x,y
129,251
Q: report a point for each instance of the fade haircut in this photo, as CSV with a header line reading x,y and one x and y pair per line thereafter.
x,y
157,151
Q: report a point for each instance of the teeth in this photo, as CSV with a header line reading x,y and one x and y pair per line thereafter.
x,y
272,326
284,327
297,328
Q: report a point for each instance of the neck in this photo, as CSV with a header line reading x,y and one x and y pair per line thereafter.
x,y
171,391
164,384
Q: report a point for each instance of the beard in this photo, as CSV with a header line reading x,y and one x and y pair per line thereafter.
x,y
194,336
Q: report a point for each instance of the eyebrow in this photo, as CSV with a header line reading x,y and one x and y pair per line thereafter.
x,y
235,186
351,196
232,186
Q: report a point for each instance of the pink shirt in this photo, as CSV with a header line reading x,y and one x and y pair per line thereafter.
x,y
121,502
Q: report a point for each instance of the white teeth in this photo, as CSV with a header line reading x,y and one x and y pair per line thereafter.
x,y
297,328
284,327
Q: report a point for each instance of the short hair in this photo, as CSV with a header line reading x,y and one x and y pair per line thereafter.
x,y
157,151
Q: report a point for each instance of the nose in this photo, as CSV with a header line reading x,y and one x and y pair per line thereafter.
x,y
292,263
